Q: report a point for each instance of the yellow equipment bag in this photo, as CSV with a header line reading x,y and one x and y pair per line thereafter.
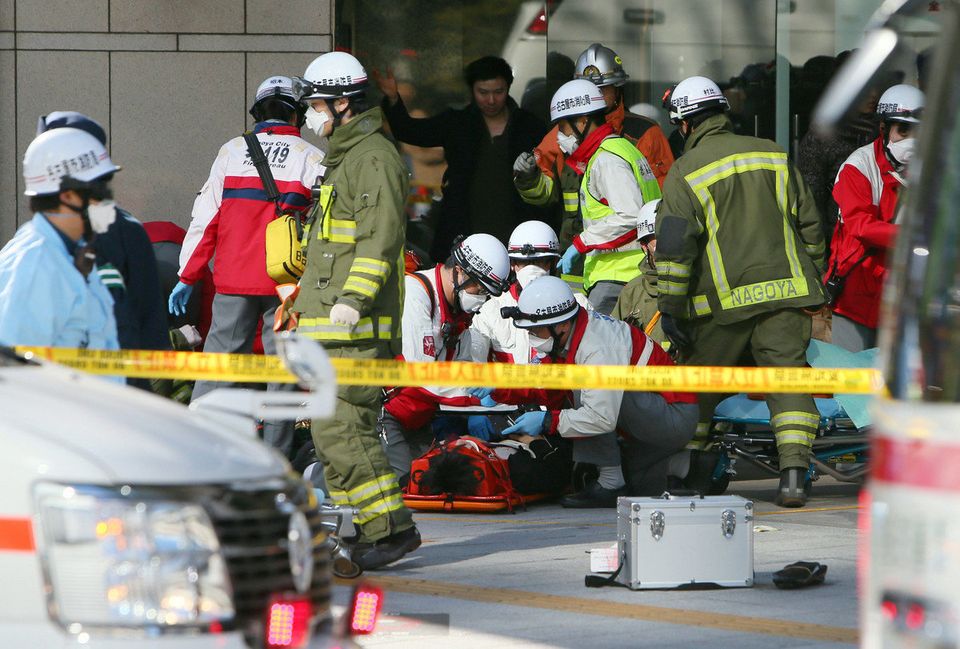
x,y
285,257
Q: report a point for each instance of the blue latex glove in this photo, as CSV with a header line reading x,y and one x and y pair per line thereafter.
x,y
529,423
480,427
480,393
569,258
488,402
179,296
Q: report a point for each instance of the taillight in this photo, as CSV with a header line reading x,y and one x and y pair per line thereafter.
x,y
288,623
364,609
539,24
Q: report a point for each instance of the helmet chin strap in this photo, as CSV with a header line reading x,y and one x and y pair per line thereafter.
x,y
337,115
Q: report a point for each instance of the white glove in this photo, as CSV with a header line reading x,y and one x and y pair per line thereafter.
x,y
191,335
344,315
525,168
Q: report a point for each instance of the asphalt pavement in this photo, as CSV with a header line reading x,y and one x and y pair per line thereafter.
x,y
516,580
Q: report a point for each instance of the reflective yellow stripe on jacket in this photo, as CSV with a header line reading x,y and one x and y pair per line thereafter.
x,y
700,182
325,329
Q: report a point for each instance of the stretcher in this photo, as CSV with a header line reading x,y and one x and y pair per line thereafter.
x,y
742,434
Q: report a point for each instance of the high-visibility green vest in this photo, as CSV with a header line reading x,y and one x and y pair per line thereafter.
x,y
614,265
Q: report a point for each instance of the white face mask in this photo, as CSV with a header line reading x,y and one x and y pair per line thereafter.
x,y
529,273
316,121
471,302
568,143
102,215
542,345
902,151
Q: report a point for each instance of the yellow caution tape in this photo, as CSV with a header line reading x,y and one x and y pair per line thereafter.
x,y
249,368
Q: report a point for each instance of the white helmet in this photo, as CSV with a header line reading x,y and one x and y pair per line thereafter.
x,y
691,96
545,301
278,87
333,75
484,259
63,153
601,65
575,98
901,103
533,240
647,219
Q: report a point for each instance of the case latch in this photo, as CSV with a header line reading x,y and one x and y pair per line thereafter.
x,y
728,522
657,521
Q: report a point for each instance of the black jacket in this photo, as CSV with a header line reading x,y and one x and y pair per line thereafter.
x,y
459,132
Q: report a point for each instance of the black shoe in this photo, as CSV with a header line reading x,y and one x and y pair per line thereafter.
x,y
389,549
593,496
794,488
702,466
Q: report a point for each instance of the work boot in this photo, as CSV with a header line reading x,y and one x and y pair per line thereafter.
x,y
593,496
699,476
794,488
388,549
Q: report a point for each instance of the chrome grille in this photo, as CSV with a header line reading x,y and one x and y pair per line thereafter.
x,y
252,522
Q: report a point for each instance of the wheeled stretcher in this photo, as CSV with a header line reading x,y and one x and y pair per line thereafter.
x,y
742,434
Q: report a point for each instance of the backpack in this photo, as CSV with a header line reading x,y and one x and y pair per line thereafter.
x,y
462,474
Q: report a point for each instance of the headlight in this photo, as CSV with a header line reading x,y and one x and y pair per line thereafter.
x,y
115,559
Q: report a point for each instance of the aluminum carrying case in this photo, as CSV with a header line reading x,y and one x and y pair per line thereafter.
x,y
675,541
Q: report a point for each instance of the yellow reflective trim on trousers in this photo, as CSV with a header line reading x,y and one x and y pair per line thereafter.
x,y
795,418
339,497
795,437
700,182
385,325
384,483
700,305
674,269
761,292
380,508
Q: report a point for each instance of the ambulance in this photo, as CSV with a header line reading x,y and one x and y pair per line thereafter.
x,y
131,521
909,563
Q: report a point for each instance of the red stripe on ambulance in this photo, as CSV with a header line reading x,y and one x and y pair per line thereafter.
x,y
916,463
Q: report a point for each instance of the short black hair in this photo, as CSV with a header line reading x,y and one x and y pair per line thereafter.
x,y
696,120
44,203
274,108
486,68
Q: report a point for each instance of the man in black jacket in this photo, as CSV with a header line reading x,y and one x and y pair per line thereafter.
x,y
480,142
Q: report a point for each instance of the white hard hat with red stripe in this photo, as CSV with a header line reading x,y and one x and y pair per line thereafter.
x,y
533,240
64,153
333,75
575,98
694,95
901,103
545,301
484,259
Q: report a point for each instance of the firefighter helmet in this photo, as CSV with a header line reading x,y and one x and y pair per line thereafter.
x,y
601,65
901,103
576,98
694,95
533,240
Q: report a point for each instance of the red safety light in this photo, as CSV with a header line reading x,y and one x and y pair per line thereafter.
x,y
539,24
889,610
364,609
288,623
915,617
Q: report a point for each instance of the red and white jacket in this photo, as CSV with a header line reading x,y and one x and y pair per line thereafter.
x,y
598,339
495,338
231,212
866,193
431,332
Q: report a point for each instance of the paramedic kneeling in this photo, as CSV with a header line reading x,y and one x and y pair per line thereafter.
x,y
655,424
